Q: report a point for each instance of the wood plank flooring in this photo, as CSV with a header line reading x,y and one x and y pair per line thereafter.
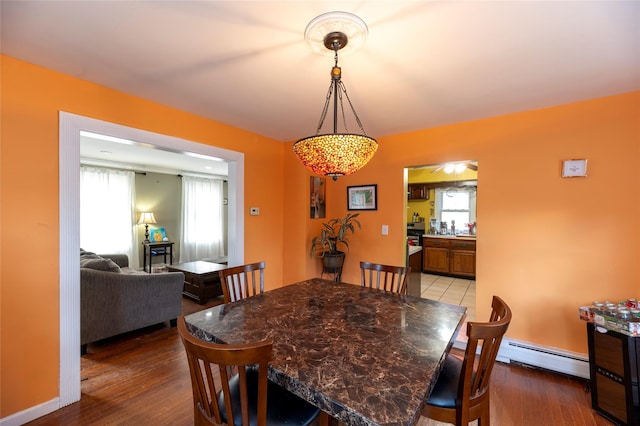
x,y
142,378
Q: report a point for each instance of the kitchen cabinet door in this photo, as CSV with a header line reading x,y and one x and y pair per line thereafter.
x,y
463,262
463,258
436,259
418,191
435,255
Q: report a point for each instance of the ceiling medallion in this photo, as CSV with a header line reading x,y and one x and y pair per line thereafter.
x,y
343,22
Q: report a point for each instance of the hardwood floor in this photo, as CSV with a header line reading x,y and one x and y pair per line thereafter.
x,y
142,378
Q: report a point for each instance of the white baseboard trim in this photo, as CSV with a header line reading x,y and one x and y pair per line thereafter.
x,y
31,413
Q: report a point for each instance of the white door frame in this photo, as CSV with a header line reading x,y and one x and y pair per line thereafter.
x,y
69,150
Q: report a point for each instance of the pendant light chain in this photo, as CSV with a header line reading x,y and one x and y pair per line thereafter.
x,y
341,89
323,115
355,114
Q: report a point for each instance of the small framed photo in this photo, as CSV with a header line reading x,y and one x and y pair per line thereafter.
x,y
157,235
574,168
318,205
363,197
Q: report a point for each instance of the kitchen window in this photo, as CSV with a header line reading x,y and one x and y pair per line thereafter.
x,y
456,204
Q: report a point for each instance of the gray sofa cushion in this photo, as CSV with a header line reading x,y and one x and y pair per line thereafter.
x,y
94,261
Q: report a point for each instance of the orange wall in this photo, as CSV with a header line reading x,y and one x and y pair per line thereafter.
x,y
29,279
543,244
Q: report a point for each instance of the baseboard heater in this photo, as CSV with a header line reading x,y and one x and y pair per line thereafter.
x,y
529,354
558,360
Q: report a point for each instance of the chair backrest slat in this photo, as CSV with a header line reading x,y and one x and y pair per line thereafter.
x,y
384,277
240,282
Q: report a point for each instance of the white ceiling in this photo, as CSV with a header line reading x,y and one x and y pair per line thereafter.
x,y
425,63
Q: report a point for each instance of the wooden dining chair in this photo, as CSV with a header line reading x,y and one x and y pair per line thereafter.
x,y
238,399
462,392
242,281
384,277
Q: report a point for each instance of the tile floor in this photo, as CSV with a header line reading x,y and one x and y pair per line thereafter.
x,y
456,291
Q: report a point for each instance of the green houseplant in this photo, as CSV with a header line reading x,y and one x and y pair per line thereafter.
x,y
326,245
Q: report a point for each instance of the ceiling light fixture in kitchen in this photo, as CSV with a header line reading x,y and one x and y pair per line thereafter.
x,y
336,154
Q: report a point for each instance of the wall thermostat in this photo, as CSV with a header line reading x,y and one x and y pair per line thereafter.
x,y
574,168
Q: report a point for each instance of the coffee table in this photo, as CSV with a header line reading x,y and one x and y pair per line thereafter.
x,y
201,279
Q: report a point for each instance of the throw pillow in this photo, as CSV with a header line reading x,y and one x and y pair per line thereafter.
x,y
100,264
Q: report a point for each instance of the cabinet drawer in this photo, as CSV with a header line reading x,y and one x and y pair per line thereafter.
x,y
463,245
436,242
612,398
609,352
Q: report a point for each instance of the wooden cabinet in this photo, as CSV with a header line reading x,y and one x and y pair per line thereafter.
x,y
614,363
435,255
463,258
451,256
414,281
418,191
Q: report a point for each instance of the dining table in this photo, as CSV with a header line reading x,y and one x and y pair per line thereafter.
x,y
363,356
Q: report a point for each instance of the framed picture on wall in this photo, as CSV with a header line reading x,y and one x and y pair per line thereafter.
x,y
318,207
363,197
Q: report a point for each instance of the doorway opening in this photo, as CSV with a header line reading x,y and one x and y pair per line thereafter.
x,y
441,223
69,149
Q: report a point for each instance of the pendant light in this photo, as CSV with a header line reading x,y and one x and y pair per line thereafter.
x,y
336,154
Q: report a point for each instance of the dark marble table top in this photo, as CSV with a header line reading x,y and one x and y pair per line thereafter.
x,y
364,356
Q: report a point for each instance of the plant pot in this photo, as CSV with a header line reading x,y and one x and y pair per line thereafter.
x,y
332,262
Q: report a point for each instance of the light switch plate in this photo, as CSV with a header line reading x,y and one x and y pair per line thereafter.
x,y
254,211
385,229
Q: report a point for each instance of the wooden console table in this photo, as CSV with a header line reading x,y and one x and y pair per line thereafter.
x,y
162,248
201,279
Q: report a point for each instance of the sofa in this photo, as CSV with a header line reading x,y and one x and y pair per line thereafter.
x,y
115,298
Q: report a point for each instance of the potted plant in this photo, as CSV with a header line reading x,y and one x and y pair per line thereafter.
x,y
326,245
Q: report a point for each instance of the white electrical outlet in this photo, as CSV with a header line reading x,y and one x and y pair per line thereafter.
x,y
385,229
254,211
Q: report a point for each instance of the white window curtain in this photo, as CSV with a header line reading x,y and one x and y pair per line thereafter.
x,y
202,210
107,223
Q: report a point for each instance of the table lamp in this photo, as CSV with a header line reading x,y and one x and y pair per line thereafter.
x,y
146,218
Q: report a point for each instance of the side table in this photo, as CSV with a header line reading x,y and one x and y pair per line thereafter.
x,y
161,248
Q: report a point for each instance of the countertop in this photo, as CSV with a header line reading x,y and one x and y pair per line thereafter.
x,y
414,249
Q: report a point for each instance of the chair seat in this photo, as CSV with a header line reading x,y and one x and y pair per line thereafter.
x,y
445,391
283,407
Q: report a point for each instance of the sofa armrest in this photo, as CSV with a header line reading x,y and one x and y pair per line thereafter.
x,y
122,260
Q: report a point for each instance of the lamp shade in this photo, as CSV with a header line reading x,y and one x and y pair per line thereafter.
x,y
146,218
335,154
